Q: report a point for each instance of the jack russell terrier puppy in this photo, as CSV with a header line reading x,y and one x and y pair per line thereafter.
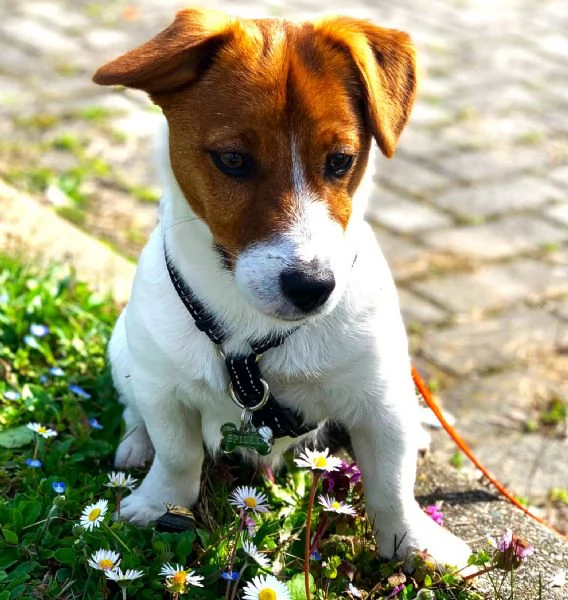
x,y
262,244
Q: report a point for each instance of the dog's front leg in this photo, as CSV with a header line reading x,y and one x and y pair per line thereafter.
x,y
174,477
385,443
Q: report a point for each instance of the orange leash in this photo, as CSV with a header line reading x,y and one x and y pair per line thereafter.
x,y
425,393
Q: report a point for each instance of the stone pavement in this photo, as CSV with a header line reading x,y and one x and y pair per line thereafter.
x,y
472,212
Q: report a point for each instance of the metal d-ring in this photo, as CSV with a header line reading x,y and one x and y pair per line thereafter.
x,y
255,407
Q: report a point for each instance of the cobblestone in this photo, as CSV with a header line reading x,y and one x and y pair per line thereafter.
x,y
499,239
480,176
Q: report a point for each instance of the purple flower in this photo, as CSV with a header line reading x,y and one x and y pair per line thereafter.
x,y
58,487
229,575
505,541
250,523
338,482
56,371
94,424
38,330
511,550
79,391
12,395
396,590
435,513
34,463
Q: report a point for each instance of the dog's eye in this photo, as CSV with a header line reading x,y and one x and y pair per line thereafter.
x,y
337,165
233,164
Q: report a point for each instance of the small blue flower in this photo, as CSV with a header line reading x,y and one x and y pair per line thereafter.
x,y
39,330
30,341
94,423
79,391
58,487
56,371
315,555
33,462
43,378
230,575
12,395
4,298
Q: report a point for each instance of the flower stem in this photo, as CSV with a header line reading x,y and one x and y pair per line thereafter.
x,y
315,481
117,538
118,497
123,588
235,587
234,551
36,448
480,572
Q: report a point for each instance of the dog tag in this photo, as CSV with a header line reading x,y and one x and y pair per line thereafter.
x,y
247,436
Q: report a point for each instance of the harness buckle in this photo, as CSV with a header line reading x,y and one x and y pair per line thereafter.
x,y
255,407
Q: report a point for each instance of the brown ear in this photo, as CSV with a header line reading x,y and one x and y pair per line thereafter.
x,y
385,59
173,58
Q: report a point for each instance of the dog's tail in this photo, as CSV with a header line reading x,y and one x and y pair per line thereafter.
x,y
425,393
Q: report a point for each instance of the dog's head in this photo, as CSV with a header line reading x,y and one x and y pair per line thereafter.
x,y
270,126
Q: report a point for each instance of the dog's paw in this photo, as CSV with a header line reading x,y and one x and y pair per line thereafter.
x,y
135,450
140,509
424,535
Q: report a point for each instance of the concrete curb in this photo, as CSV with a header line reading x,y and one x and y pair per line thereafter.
x,y
29,228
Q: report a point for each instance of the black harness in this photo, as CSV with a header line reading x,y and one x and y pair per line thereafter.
x,y
247,387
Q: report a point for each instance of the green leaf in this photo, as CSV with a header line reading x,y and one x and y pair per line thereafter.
x,y
185,546
65,556
16,437
9,536
297,587
17,591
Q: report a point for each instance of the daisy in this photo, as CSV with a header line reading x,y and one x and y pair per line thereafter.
x,y
117,575
178,577
247,498
42,430
104,560
353,591
12,395
266,587
118,479
332,505
318,461
93,515
253,552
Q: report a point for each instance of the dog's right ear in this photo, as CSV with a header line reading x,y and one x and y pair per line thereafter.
x,y
172,59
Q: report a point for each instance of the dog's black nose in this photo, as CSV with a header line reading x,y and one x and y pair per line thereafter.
x,y
307,287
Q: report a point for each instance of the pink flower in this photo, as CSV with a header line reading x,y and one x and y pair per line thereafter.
x,y
433,511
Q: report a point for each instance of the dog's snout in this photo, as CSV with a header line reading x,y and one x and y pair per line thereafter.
x,y
308,286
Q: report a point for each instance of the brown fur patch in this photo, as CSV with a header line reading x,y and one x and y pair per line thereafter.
x,y
251,87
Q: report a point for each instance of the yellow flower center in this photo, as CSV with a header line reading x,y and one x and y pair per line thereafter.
x,y
320,462
250,502
178,578
42,429
105,564
267,594
94,514
335,505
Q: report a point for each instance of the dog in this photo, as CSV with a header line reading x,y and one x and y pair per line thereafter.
x,y
268,165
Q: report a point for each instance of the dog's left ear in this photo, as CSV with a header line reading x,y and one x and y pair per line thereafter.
x,y
385,59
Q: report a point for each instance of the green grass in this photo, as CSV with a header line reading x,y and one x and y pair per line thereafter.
x,y
43,550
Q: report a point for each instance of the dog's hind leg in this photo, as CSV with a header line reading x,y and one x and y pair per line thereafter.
x,y
135,449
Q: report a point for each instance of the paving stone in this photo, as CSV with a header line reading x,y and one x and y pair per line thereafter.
x,y
405,258
498,239
417,141
55,13
42,38
495,198
407,216
496,286
99,39
515,337
559,213
409,176
560,176
416,311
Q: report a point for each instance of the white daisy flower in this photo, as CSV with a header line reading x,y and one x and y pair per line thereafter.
x,y
118,479
120,577
259,557
332,505
266,587
248,498
104,560
42,430
353,591
318,461
178,577
93,515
